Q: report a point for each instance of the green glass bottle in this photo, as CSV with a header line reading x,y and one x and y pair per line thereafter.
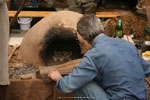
x,y
118,29
102,20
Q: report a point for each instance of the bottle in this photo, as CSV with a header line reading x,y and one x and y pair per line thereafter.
x,y
118,29
102,20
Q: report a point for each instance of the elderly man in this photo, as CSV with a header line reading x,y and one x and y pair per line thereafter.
x,y
4,33
111,70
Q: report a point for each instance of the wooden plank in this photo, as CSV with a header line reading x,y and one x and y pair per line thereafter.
x,y
107,14
45,13
30,13
42,71
64,69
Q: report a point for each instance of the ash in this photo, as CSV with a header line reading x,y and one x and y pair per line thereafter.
x,y
22,69
62,56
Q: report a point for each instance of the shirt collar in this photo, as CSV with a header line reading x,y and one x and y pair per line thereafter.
x,y
100,37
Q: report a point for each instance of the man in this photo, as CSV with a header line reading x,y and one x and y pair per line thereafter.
x,y
4,33
111,70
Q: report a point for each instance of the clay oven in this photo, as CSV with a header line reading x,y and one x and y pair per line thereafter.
x,y
53,40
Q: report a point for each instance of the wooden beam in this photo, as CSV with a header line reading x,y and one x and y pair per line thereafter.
x,y
30,13
42,71
107,14
64,69
45,13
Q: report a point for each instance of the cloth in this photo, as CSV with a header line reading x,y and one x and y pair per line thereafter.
x,y
4,33
115,65
90,91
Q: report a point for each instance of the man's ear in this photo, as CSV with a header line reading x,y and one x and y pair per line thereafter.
x,y
84,45
90,42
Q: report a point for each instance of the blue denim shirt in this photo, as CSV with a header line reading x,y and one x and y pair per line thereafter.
x,y
115,65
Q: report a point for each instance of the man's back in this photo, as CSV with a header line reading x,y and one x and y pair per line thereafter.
x,y
121,72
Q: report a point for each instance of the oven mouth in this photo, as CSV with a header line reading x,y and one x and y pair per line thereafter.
x,y
60,45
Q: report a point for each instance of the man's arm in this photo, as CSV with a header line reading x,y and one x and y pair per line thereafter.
x,y
84,73
146,66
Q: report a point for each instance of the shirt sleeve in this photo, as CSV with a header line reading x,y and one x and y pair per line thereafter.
x,y
146,66
84,73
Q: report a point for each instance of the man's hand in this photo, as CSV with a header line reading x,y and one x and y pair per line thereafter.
x,y
54,75
128,38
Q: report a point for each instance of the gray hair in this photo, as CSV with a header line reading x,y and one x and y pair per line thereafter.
x,y
89,26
